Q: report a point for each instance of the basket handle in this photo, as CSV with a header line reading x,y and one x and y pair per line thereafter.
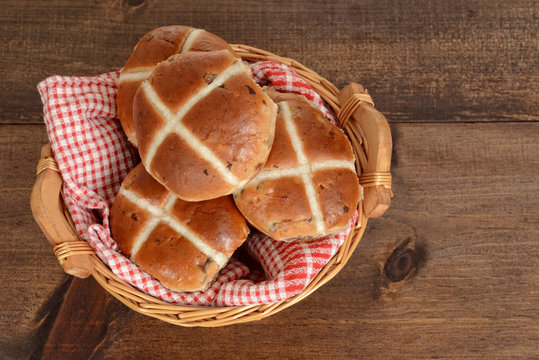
x,y
370,134
48,210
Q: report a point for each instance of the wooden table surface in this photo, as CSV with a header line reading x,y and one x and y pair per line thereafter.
x,y
459,84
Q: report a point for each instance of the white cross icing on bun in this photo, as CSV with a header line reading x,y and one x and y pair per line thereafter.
x,y
204,127
154,47
308,187
182,244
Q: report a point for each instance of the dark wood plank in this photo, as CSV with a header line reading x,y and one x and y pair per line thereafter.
x,y
421,60
33,283
82,322
465,216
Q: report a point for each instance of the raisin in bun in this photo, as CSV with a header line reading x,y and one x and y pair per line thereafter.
x,y
204,127
308,188
182,244
154,47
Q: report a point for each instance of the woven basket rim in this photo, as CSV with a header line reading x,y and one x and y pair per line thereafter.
x,y
191,315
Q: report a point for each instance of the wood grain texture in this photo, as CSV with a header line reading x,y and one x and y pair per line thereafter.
x,y
465,205
82,322
33,283
422,60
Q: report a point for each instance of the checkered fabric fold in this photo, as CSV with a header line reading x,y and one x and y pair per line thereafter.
x,y
94,156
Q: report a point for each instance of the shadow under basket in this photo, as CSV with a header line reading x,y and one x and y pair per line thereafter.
x,y
370,136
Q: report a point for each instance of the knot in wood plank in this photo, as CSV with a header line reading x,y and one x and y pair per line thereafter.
x,y
403,260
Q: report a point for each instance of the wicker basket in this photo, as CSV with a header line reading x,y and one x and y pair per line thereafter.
x,y
371,139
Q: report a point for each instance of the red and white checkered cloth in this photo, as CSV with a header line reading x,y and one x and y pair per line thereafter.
x,y
94,156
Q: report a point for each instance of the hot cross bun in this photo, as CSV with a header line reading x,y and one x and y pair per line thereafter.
x,y
154,47
308,187
182,244
204,127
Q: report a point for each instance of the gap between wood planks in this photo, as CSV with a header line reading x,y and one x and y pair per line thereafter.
x,y
389,121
